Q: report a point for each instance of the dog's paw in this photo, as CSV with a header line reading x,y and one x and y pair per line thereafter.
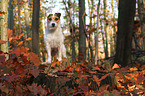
x,y
47,62
59,59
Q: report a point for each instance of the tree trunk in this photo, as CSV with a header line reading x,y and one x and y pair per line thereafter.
x,y
96,34
125,29
4,26
72,29
82,37
26,12
10,15
19,19
105,28
113,30
141,11
35,26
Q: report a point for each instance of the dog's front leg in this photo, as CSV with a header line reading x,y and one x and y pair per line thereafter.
x,y
60,53
48,48
63,50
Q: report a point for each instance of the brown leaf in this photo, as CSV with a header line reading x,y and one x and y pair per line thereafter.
x,y
140,78
34,58
96,68
116,92
104,87
2,42
17,52
35,72
96,79
2,58
2,12
37,90
24,58
103,77
84,88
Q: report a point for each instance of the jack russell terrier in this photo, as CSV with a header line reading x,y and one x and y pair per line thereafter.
x,y
54,38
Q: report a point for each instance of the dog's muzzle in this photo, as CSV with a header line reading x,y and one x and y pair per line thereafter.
x,y
53,24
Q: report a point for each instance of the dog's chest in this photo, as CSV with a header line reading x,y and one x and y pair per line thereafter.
x,y
54,40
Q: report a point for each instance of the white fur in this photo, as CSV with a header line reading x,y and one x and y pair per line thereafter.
x,y
54,38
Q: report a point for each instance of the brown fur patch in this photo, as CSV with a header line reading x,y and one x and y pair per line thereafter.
x,y
56,17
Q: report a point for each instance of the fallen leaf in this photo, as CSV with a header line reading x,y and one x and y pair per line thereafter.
x,y
34,58
2,42
28,39
35,72
104,87
115,66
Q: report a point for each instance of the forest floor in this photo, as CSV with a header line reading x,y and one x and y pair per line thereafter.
x,y
24,75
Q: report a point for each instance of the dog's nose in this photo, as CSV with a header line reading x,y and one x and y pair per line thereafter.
x,y
53,24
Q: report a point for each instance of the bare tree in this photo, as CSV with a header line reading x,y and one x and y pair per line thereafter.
x,y
4,25
125,29
26,12
10,15
82,37
141,11
35,26
96,34
105,28
19,19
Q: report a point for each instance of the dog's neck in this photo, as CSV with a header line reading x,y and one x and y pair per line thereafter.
x,y
48,30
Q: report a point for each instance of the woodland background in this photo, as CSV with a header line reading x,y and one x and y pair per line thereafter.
x,y
105,48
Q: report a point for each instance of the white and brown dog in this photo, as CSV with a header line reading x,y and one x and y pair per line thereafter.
x,y
54,38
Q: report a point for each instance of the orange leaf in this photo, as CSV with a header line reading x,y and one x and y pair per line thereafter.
x,y
115,66
103,77
17,52
34,58
28,39
20,43
21,35
96,79
10,33
53,64
133,69
2,13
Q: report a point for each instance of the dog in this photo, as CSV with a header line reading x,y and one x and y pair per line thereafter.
x,y
54,38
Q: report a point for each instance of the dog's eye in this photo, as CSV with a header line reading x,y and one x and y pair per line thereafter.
x,y
56,19
49,19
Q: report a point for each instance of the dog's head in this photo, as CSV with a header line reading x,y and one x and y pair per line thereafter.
x,y
53,20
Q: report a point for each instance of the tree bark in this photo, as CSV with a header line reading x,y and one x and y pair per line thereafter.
x,y
125,29
72,30
35,26
26,12
19,19
141,11
10,15
82,37
113,30
105,28
96,34
4,26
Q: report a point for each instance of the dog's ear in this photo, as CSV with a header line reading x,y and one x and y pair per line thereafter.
x,y
58,14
